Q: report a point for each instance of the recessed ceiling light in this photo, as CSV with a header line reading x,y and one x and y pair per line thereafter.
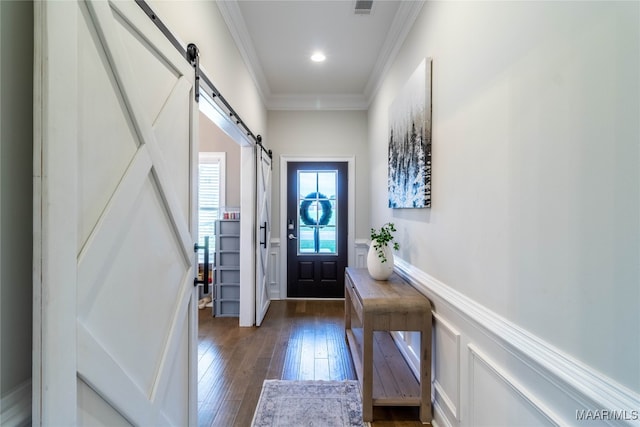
x,y
318,57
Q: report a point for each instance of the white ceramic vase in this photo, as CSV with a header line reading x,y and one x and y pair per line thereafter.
x,y
379,270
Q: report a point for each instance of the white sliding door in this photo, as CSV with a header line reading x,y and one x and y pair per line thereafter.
x,y
263,238
115,220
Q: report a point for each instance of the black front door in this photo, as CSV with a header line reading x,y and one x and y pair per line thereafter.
x,y
316,229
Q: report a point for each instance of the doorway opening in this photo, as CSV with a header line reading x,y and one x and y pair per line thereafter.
x,y
217,133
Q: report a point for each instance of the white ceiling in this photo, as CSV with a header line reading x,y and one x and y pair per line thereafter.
x,y
277,37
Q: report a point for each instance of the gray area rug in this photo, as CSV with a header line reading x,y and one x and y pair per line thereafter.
x,y
309,404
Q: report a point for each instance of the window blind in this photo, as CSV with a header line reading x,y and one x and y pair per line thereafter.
x,y
208,202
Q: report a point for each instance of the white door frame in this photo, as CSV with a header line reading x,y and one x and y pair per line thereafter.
x,y
54,390
351,238
220,118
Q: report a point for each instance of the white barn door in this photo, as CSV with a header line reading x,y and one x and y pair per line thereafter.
x,y
263,216
115,220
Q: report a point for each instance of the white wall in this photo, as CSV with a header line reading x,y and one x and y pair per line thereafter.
x,y
318,134
16,152
536,183
212,138
200,22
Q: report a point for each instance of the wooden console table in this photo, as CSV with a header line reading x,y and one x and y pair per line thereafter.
x,y
385,377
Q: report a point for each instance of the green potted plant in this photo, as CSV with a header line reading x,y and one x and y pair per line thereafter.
x,y
380,256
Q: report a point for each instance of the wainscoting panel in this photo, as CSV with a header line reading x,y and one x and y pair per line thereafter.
x,y
446,366
489,372
361,250
274,270
488,384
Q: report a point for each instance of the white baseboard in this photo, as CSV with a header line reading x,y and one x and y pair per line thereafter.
x,y
487,369
16,406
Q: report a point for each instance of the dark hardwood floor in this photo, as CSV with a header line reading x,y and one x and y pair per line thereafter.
x,y
298,340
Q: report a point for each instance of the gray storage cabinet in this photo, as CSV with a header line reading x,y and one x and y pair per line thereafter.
x,y
227,268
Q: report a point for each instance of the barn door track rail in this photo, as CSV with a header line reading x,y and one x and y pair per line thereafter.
x,y
191,54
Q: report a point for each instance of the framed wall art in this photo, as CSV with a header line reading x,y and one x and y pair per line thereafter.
x,y
409,179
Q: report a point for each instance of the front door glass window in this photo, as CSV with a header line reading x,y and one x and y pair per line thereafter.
x,y
317,212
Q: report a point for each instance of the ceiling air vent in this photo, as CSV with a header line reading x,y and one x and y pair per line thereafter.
x,y
363,7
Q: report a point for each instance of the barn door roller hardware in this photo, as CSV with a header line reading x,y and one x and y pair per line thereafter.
x,y
193,57
191,54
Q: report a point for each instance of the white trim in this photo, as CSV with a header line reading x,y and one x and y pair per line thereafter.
x,y
38,136
572,378
351,173
16,406
1,145
274,270
517,390
402,23
361,248
440,395
247,236
318,101
452,402
214,112
439,416
55,214
232,16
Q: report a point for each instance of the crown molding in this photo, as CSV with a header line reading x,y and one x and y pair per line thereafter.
x,y
400,27
317,102
232,16
402,23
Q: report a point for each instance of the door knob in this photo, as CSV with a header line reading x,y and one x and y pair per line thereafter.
x,y
291,236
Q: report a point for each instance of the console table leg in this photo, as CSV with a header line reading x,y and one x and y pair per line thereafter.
x,y
347,313
425,372
367,371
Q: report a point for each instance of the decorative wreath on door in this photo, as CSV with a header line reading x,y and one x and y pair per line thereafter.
x,y
325,204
